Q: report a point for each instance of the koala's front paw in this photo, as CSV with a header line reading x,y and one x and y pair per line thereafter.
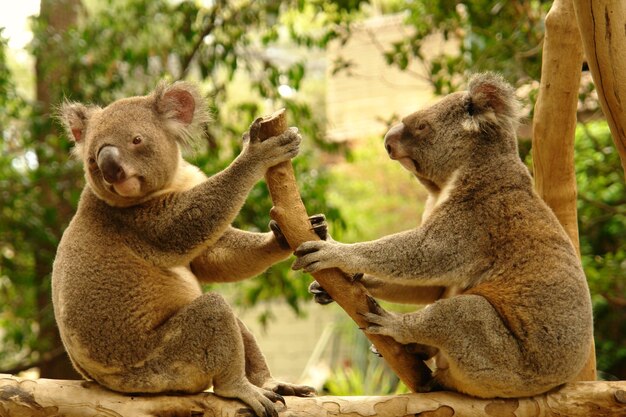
x,y
314,256
388,324
273,150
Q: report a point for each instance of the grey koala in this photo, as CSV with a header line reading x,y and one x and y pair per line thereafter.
x,y
148,227
522,323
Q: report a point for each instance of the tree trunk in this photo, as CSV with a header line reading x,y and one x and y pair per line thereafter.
x,y
602,24
46,397
291,215
554,126
56,16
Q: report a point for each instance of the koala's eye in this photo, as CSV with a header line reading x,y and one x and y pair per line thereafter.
x,y
92,163
137,140
421,126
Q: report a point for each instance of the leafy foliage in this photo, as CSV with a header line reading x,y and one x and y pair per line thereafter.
x,y
17,221
602,225
364,373
502,36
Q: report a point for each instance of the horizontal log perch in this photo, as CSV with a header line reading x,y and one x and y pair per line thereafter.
x,y
49,397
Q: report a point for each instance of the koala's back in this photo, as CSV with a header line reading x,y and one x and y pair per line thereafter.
x,y
530,277
107,299
535,280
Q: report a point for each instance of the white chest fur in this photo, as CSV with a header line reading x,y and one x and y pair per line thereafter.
x,y
437,199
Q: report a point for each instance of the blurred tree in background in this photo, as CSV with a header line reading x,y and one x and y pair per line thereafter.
x,y
251,57
492,35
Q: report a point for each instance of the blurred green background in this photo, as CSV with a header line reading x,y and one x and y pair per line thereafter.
x,y
250,58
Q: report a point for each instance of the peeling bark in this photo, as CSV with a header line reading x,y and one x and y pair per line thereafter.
x,y
602,25
49,397
554,126
554,123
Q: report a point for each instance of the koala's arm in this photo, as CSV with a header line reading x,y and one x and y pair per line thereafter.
x,y
238,255
173,229
401,292
443,253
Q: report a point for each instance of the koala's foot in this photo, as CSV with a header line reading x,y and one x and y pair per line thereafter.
x,y
285,388
388,324
260,400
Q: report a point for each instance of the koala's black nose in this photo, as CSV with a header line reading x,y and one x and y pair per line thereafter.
x,y
393,137
110,165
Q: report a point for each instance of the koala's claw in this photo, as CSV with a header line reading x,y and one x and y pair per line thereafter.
x,y
312,267
294,390
269,410
321,230
274,397
356,277
305,249
319,294
387,324
375,322
317,219
255,128
278,235
375,351
318,225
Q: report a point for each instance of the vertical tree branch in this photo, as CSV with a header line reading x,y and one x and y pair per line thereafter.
x,y
602,25
291,215
554,125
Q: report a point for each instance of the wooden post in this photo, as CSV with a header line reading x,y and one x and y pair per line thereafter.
x,y
554,126
602,25
291,215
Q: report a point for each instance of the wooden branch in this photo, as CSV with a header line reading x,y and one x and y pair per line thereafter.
x,y
602,25
554,122
50,397
554,126
291,215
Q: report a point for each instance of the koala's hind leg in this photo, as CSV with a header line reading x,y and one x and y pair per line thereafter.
x,y
199,346
258,372
476,354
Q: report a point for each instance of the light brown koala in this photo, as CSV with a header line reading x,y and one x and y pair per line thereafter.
x,y
523,323
148,226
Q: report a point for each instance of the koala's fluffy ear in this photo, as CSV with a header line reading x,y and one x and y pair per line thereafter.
x,y
75,117
182,108
491,100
